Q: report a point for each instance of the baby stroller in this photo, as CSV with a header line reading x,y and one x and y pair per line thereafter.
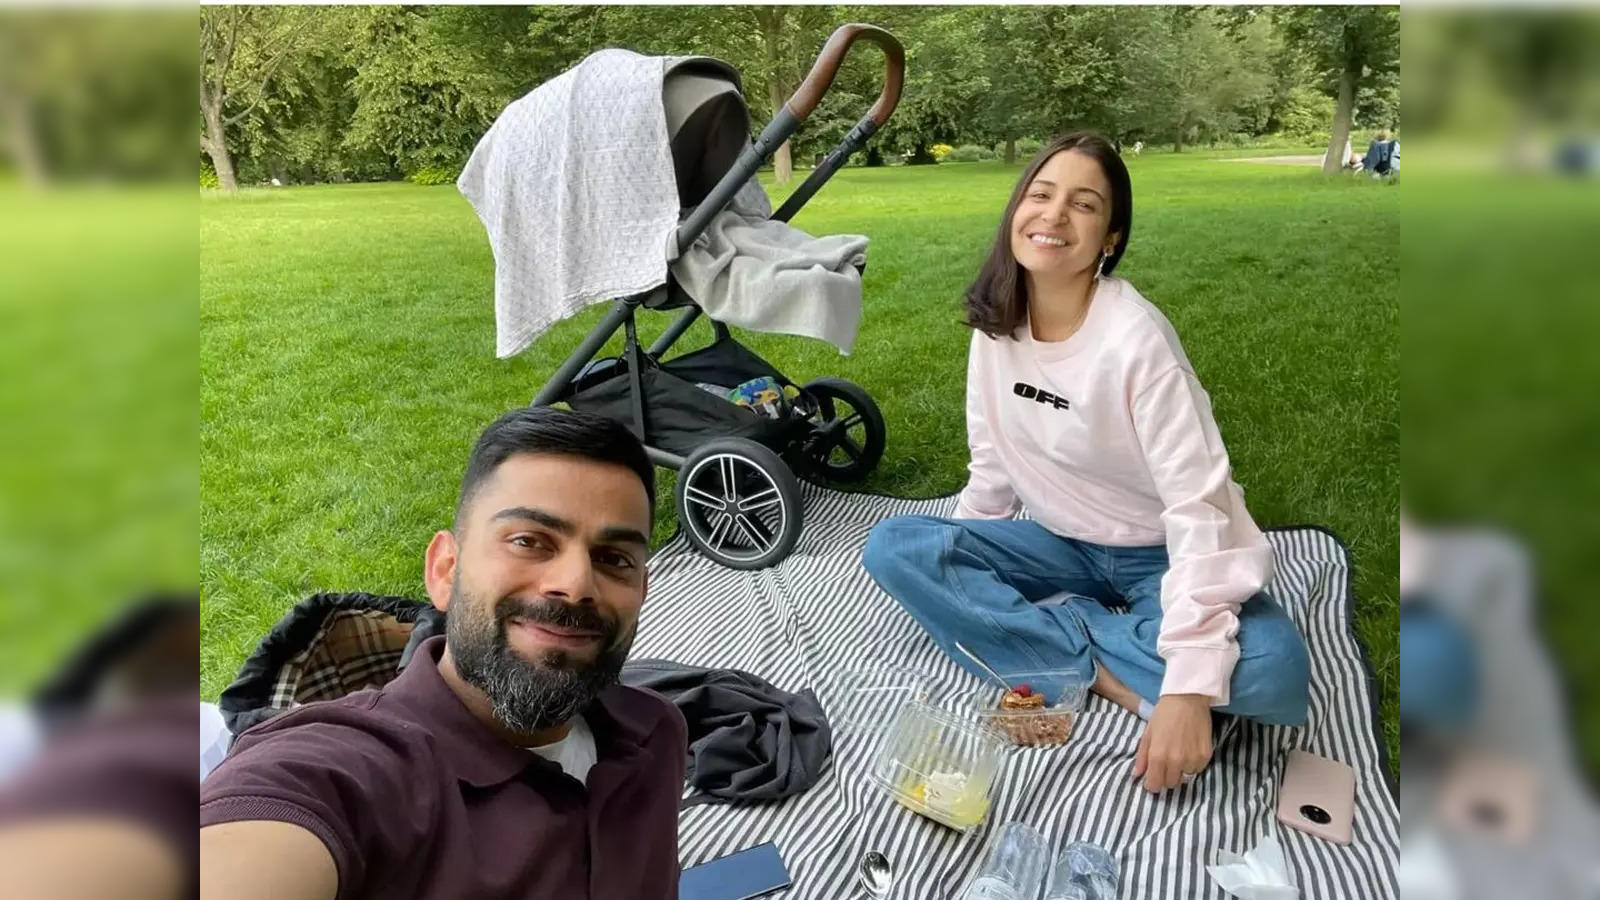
x,y
737,495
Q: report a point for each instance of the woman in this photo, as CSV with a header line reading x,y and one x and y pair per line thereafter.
x,y
1082,406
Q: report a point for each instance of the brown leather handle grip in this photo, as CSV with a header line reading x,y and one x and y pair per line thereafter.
x,y
820,78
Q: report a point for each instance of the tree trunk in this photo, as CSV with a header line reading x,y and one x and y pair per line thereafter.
x,y
1333,161
215,143
25,141
771,21
1011,151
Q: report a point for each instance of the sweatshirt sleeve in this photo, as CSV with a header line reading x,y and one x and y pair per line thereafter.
x,y
1219,558
988,494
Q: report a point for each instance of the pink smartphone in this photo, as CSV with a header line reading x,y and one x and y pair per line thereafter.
x,y
1318,796
1492,797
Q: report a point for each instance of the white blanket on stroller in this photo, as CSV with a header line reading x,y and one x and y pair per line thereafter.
x,y
574,183
576,188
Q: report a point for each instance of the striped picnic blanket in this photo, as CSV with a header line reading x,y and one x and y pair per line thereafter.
x,y
818,616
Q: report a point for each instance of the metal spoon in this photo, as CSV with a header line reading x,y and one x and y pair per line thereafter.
x,y
984,666
875,873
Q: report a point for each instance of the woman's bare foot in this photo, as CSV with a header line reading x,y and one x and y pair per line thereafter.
x,y
1110,687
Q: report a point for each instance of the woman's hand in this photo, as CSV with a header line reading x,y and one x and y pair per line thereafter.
x,y
1177,742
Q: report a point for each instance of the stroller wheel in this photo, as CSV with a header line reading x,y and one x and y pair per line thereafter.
x,y
848,433
739,503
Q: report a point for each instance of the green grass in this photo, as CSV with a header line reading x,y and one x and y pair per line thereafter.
x,y
347,363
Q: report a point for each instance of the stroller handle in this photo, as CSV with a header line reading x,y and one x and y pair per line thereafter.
x,y
820,78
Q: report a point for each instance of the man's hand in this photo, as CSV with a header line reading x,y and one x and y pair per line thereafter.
x,y
1177,742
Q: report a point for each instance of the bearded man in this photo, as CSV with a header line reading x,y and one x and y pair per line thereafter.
x,y
506,760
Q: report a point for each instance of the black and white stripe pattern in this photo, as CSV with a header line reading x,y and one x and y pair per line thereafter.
x,y
818,617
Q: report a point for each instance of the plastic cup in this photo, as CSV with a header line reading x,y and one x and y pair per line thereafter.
x,y
1014,867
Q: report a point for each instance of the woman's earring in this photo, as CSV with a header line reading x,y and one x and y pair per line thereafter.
x,y
1099,271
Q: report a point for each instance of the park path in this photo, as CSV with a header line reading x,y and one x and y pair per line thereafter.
x,y
1278,160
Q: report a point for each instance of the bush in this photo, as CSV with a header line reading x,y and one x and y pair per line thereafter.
x,y
985,154
208,177
968,153
940,151
1028,147
431,175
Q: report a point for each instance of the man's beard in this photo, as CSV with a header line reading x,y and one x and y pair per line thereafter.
x,y
531,695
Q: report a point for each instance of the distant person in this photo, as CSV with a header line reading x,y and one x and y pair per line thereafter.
x,y
1138,147
1383,156
505,760
1083,407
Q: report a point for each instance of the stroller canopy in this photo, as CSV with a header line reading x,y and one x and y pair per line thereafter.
x,y
707,124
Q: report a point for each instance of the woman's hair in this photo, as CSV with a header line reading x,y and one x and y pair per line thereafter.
x,y
997,301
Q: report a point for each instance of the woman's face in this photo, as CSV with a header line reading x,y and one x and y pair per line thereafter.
x,y
1060,224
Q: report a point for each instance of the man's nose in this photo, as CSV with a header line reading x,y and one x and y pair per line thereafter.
x,y
569,576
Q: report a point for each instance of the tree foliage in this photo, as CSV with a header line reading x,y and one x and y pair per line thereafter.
x,y
388,92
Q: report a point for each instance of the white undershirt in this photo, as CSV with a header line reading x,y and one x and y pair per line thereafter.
x,y
575,753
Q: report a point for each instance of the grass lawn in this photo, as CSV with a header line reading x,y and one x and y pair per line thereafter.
x,y
347,363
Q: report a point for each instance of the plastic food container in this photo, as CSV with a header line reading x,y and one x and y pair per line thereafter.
x,y
939,765
1038,711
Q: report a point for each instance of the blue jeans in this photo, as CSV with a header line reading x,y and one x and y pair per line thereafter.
x,y
1027,600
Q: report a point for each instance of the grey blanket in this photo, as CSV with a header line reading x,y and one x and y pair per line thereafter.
x,y
747,739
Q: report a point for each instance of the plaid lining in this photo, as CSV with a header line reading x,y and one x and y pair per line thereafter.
x,y
354,649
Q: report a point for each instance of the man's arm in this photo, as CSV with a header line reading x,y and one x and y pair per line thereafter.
x,y
266,860
89,858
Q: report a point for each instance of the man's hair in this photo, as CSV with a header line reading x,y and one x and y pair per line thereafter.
x,y
542,429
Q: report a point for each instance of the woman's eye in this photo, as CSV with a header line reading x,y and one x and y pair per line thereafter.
x,y
1086,207
1038,195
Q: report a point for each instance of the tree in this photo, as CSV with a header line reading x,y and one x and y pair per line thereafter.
x,y
241,48
1192,78
1348,48
944,78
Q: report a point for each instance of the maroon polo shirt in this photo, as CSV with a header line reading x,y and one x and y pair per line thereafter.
x,y
414,797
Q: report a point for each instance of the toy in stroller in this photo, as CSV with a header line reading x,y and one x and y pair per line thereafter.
x,y
736,455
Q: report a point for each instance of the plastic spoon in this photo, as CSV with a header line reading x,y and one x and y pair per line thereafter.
x,y
983,665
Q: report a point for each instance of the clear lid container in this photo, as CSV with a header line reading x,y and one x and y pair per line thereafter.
x,y
1038,711
939,765
872,696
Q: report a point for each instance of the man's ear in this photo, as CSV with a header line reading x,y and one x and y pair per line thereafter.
x,y
439,569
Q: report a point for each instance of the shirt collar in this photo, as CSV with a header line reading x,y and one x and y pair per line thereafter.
x,y
620,721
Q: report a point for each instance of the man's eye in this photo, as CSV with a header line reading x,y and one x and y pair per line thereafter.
x,y
528,541
616,560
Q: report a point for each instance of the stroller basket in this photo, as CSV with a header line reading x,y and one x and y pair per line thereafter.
x,y
679,415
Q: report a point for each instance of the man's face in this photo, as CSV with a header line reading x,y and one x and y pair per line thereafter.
x,y
544,584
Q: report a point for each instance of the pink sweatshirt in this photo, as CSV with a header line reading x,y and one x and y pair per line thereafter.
x,y
1108,437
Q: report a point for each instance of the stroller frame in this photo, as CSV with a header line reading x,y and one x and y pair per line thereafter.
x,y
767,516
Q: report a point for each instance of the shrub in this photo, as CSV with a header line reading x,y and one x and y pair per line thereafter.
x,y
208,177
1027,147
940,151
985,154
433,174
968,153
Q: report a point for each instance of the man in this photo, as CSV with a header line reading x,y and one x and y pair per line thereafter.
x,y
506,760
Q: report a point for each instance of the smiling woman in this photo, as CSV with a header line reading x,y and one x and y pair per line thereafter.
x,y
1083,408
1072,210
